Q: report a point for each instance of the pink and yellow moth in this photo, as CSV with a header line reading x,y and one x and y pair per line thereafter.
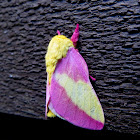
x,y
69,93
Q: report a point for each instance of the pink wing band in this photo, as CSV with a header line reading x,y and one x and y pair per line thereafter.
x,y
47,96
62,103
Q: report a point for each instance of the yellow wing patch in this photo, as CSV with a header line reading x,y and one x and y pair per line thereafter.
x,y
82,95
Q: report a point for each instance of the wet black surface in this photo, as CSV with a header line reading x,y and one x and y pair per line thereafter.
x,y
55,126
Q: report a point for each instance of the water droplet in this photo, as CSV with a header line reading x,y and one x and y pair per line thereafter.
x,y
10,75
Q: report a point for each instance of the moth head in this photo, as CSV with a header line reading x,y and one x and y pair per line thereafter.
x,y
75,35
58,48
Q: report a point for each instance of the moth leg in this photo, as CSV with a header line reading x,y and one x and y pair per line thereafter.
x,y
93,79
50,114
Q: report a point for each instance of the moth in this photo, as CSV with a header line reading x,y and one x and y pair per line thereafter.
x,y
69,93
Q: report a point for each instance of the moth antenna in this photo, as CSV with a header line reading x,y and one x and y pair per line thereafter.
x,y
75,36
58,32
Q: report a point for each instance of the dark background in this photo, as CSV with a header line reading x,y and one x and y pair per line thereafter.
x,y
109,42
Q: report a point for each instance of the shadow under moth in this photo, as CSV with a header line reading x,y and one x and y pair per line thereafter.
x,y
69,93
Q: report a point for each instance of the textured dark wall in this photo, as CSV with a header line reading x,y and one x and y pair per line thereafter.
x,y
109,42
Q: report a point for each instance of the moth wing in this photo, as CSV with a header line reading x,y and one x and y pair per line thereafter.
x,y
47,95
72,96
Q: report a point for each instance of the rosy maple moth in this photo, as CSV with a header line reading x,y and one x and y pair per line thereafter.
x,y
69,93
